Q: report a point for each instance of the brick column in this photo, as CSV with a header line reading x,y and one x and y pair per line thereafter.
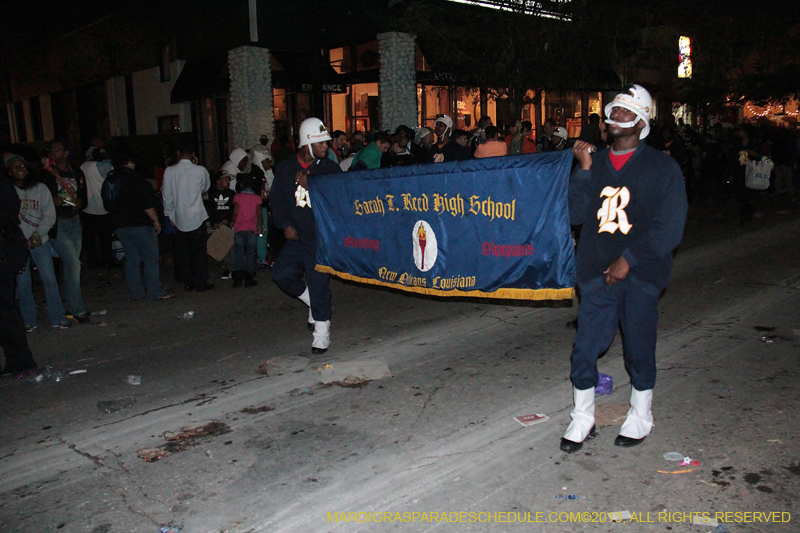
x,y
398,85
251,107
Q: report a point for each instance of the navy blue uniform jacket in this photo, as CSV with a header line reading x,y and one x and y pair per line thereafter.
x,y
637,213
285,212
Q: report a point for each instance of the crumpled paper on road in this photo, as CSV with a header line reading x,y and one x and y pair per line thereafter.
x,y
610,414
354,373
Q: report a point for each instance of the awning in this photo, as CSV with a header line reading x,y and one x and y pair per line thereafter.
x,y
297,71
204,77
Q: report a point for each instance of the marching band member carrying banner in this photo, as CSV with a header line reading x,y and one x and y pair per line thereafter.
x,y
630,202
291,211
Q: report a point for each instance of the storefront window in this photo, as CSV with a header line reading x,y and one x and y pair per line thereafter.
x,y
338,111
340,60
365,107
567,109
434,101
572,112
596,103
468,106
279,107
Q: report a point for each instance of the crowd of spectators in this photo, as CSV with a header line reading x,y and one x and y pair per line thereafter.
x,y
96,210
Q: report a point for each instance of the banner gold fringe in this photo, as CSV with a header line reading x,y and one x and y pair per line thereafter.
x,y
510,294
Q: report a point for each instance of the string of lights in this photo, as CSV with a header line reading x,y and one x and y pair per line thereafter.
x,y
771,110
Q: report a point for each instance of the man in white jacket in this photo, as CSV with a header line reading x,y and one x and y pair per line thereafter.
x,y
182,194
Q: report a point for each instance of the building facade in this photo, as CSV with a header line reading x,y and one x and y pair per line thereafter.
x,y
154,85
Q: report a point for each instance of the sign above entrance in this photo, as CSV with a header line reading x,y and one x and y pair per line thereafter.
x,y
434,77
327,88
331,88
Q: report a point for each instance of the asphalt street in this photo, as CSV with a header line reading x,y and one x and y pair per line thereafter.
x,y
285,453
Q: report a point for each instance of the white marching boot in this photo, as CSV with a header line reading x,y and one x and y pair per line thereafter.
x,y
639,421
322,336
582,425
306,299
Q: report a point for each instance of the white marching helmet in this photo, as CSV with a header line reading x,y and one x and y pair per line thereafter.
x,y
638,100
447,121
312,130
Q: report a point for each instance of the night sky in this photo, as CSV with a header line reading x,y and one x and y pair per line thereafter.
x,y
30,23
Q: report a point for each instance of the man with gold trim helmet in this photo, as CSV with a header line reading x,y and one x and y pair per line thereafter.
x,y
630,203
636,99
291,212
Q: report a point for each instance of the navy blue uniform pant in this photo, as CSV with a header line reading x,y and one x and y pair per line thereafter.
x,y
601,312
296,259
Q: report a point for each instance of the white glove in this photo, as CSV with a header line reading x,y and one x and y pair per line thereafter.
x,y
301,197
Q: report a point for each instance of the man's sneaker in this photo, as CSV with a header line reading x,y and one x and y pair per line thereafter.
x,y
226,274
83,319
30,329
63,325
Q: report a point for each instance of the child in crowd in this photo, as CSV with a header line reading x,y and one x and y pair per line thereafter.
x,y
247,224
220,211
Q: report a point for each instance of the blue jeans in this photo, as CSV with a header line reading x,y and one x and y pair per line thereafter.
x,y
141,247
68,247
244,251
27,306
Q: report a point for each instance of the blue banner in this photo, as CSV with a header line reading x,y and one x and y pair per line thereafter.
x,y
491,228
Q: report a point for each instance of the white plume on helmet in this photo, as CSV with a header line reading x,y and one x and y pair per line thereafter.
x,y
447,121
638,100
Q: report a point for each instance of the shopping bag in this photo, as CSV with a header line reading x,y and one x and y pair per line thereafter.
x,y
757,173
220,242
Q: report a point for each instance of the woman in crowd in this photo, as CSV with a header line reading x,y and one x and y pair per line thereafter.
x,y
37,214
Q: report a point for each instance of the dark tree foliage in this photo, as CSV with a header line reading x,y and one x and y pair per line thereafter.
x,y
742,50
745,50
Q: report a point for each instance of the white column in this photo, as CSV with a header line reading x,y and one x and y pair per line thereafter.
x,y
251,108
398,85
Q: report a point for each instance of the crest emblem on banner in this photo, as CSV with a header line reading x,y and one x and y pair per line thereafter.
x,y
424,246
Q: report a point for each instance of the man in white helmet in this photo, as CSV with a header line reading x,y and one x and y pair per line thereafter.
x,y
631,204
559,138
291,211
444,150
